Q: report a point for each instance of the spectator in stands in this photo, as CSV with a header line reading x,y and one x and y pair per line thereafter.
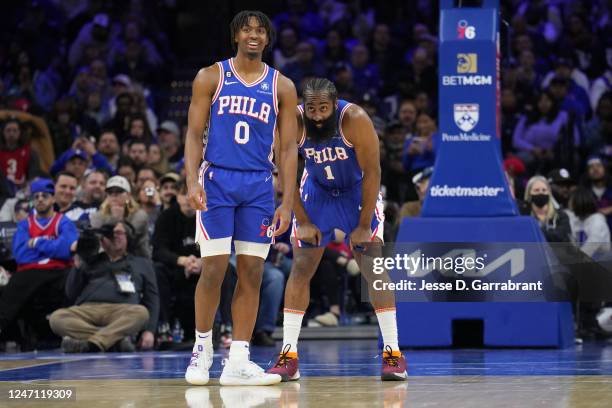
x,y
420,149
168,188
366,75
18,162
114,294
119,205
573,100
168,135
395,175
120,84
286,51
509,119
63,125
589,228
554,224
126,169
42,249
564,68
108,146
138,152
537,133
145,174
562,185
91,196
65,192
177,262
407,115
150,202
120,119
334,51
157,159
77,160
93,108
132,32
139,128
305,65
598,131
421,184
602,84
598,180
95,34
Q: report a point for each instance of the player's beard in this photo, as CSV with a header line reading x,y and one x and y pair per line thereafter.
x,y
323,133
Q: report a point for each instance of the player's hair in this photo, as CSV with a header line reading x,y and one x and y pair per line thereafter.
x,y
242,19
316,85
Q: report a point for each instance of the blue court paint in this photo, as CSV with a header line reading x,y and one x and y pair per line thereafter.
x,y
324,358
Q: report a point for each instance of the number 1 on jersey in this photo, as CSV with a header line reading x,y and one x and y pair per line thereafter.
x,y
241,137
328,172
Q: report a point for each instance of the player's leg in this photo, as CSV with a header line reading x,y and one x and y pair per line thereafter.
x,y
383,301
214,230
252,237
297,297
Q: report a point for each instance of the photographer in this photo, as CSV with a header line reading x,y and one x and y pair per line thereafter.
x,y
115,295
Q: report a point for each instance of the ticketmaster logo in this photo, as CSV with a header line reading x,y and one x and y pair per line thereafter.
x,y
460,191
466,137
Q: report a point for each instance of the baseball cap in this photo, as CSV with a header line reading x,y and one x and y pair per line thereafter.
x,y
42,185
422,175
122,79
101,19
72,153
119,182
170,176
594,160
169,126
560,176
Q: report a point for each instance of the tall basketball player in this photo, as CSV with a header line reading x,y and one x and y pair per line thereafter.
x,y
339,189
243,101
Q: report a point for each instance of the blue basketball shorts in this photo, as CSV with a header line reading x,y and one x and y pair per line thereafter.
x,y
240,208
335,209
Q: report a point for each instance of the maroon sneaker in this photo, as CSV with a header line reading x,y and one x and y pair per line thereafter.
x,y
286,366
393,366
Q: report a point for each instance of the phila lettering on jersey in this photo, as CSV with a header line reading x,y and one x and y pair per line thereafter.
x,y
242,124
333,163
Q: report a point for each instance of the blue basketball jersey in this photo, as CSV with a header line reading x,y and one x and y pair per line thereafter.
x,y
242,120
331,164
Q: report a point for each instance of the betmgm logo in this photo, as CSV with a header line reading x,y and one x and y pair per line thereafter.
x,y
467,63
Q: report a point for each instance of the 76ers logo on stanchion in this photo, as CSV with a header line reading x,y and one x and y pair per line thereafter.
x,y
465,31
265,228
466,115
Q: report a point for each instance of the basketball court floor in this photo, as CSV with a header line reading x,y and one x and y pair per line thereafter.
x,y
335,373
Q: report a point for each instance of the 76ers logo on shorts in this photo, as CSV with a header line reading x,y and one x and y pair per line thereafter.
x,y
265,228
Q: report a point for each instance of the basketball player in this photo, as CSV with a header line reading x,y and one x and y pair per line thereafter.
x,y
243,101
339,189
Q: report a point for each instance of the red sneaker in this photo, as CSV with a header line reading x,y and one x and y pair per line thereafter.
x,y
393,366
286,366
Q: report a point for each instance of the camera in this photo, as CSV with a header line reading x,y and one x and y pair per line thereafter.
x,y
88,244
149,191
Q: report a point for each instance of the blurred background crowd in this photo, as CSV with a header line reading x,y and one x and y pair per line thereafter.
x,y
93,95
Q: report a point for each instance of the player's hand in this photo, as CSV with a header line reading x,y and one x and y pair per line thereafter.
x,y
197,197
282,217
147,340
359,237
309,233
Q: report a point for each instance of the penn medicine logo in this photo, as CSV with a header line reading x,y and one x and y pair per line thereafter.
x,y
467,63
466,115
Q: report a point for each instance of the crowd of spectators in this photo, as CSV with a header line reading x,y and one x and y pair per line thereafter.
x,y
83,104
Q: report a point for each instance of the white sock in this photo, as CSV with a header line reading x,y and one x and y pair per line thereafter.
x,y
388,327
292,324
239,351
203,338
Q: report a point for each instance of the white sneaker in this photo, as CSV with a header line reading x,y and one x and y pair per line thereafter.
x,y
198,397
197,371
246,372
250,396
